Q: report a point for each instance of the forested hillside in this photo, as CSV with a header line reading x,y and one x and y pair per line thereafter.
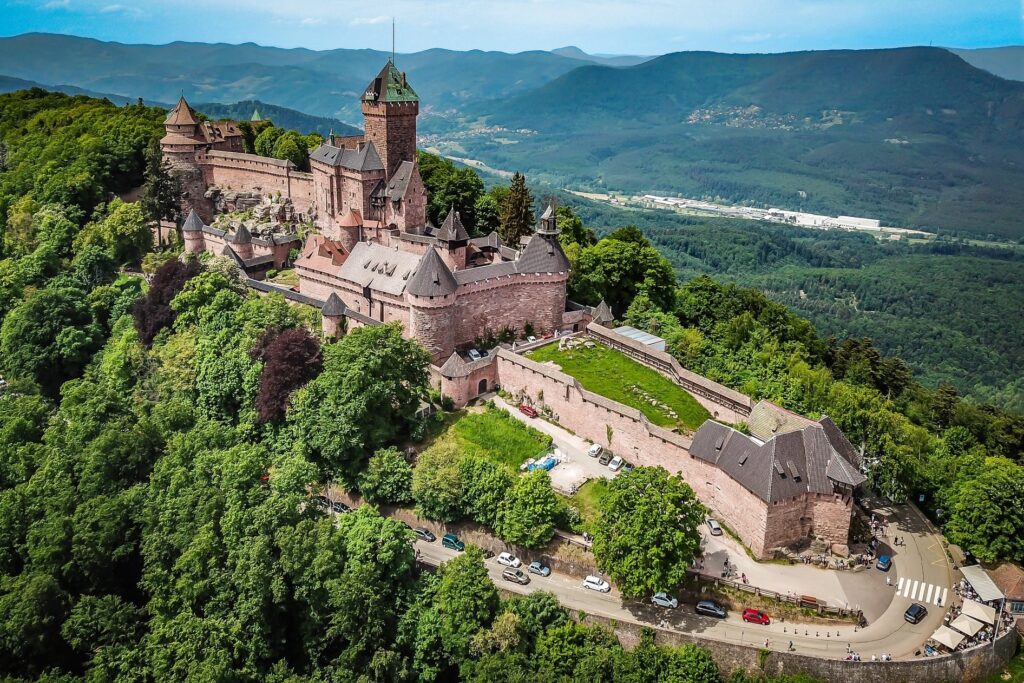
x,y
159,440
948,307
912,136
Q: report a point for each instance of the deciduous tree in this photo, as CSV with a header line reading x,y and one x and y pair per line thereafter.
x,y
646,534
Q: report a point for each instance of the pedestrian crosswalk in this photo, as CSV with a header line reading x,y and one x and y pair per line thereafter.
x,y
919,591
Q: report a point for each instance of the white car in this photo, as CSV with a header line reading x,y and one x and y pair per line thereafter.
x,y
595,450
531,339
615,464
596,583
509,560
663,600
474,354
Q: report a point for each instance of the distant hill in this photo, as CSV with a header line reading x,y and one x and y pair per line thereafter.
x,y
912,136
1005,62
10,84
574,52
322,83
281,116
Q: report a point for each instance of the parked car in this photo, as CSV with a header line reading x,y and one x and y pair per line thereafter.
x,y
884,563
526,410
627,467
516,576
424,534
605,458
915,613
474,354
595,450
710,608
754,616
664,600
596,583
509,560
339,508
714,527
539,568
452,541
615,464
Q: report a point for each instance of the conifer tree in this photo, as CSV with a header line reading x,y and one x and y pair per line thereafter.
x,y
516,212
161,192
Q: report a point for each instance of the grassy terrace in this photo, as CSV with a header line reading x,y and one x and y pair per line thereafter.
x,y
614,375
587,498
493,435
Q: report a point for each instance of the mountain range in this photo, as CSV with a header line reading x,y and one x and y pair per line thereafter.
x,y
915,136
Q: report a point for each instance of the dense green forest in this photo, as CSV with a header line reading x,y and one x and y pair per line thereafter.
x,y
160,438
948,307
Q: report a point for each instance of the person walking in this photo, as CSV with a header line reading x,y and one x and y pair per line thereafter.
x,y
888,581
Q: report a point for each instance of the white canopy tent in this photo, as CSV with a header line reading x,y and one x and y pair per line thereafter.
x,y
982,583
948,637
965,624
978,611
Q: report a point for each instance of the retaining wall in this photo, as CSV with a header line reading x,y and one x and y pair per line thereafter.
x,y
967,666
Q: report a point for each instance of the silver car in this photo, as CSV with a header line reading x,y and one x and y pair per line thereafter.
x,y
596,583
664,600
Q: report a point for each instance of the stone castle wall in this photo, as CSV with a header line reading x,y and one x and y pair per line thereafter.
x,y
512,301
628,433
761,525
253,173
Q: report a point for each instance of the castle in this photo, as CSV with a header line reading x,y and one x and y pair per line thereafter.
x,y
373,256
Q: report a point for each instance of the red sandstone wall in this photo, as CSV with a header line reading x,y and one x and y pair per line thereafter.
x,y
514,301
744,512
255,174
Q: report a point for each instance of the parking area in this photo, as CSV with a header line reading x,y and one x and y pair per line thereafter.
x,y
575,466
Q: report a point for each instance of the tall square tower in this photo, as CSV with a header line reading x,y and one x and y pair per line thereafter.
x,y
390,108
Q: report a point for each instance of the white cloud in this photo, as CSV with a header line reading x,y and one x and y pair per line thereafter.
x,y
121,9
56,4
369,21
311,21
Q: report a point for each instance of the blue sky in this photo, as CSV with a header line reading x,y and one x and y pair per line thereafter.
x,y
607,26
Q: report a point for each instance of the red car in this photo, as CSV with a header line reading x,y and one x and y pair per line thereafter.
x,y
527,410
755,617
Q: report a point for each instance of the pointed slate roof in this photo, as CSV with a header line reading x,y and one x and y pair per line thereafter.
x,y
390,85
603,313
333,307
452,229
432,277
455,366
182,114
241,236
543,254
193,223
256,115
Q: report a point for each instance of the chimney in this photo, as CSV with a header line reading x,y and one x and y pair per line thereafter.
x,y
403,80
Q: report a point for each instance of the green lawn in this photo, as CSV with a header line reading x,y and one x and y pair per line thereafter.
x,y
614,375
587,498
494,435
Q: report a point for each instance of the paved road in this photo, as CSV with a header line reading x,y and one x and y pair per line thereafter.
x,y
894,636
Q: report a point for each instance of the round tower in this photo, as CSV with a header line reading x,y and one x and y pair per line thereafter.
x,y
430,293
192,233
350,230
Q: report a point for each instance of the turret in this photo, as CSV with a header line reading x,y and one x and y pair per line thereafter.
x,y
431,296
544,260
241,241
453,238
390,107
192,233
333,312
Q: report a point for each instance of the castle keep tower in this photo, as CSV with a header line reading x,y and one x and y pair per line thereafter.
x,y
390,108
